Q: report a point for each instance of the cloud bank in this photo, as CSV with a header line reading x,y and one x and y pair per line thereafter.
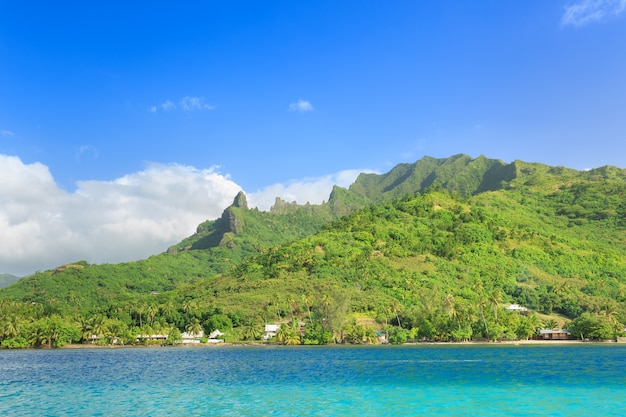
x,y
140,214
584,12
43,226
313,190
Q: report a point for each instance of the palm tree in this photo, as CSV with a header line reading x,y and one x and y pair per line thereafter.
x,y
85,327
495,298
482,302
194,327
308,301
276,300
98,326
140,308
610,312
370,336
12,326
115,330
450,307
551,324
289,334
251,330
151,311
167,309
188,305
37,336
146,333
292,304
396,307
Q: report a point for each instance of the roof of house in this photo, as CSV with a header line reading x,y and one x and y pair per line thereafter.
x,y
553,331
271,327
192,335
215,333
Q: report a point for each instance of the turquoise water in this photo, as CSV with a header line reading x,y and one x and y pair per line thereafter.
x,y
446,380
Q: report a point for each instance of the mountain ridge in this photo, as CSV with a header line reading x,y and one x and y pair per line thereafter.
x,y
550,238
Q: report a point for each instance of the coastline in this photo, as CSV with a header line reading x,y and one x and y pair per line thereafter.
x,y
260,344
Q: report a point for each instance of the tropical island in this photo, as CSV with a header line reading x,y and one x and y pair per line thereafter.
x,y
440,250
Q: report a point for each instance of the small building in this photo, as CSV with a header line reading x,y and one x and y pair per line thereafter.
x,y
214,337
215,334
192,337
145,337
270,331
555,334
517,308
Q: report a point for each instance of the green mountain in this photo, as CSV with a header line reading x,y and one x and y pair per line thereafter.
x,y
217,246
7,279
432,250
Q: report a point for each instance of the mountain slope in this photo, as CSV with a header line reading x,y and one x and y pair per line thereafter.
x,y
411,261
415,245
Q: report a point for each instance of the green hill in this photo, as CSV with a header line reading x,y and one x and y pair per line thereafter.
x,y
7,279
432,250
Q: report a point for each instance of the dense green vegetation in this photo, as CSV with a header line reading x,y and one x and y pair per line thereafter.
x,y
430,251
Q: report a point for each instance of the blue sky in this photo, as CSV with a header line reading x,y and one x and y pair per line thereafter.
x,y
111,102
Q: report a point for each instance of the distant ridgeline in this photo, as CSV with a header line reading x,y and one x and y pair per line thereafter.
x,y
7,279
433,250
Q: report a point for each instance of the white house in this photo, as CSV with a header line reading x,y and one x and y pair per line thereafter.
x,y
517,307
192,337
144,337
214,337
270,331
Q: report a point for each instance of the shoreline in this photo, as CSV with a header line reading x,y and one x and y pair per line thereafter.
x,y
260,344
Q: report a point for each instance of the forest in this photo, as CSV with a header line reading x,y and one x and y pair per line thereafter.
x,y
431,251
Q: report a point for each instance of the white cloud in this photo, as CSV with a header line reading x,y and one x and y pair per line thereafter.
x,y
583,12
168,106
194,103
43,226
187,104
301,106
6,133
312,190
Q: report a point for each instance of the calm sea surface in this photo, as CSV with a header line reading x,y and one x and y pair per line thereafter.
x,y
507,380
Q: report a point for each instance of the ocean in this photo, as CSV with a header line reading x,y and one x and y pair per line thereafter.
x,y
429,380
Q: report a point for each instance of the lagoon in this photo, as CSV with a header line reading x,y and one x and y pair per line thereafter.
x,y
441,380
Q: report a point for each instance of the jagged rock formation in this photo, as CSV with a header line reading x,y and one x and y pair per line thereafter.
x,y
241,201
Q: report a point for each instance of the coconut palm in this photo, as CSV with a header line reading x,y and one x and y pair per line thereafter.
x,y
396,308
115,330
307,301
151,311
251,330
11,327
289,334
194,327
167,308
189,305
37,335
140,308
98,326
495,298
85,326
550,324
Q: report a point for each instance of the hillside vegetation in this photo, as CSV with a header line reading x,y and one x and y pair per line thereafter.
x,y
428,251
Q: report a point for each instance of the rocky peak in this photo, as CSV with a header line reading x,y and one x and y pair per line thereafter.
x,y
240,201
